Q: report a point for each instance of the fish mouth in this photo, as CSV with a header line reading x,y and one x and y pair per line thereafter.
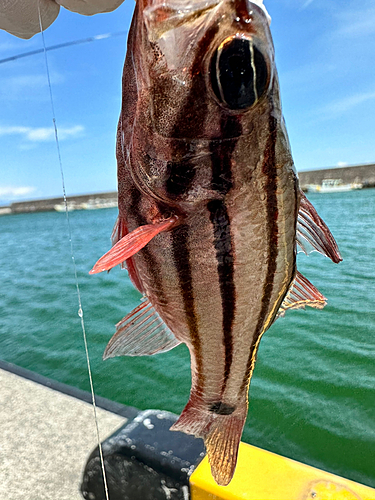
x,y
239,73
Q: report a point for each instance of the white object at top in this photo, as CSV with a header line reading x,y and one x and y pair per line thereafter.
x,y
20,17
262,6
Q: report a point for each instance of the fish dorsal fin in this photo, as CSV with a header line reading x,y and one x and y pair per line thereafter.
x,y
141,333
302,293
312,231
131,244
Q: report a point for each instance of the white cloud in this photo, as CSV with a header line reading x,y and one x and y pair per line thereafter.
x,y
10,192
27,86
306,4
5,46
339,107
42,134
342,164
356,22
12,130
347,103
307,75
26,81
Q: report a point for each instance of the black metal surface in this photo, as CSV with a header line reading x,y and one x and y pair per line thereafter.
x,y
144,460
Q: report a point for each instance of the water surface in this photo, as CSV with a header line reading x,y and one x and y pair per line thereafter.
x,y
312,396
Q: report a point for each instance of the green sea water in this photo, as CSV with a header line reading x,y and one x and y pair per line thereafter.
x,y
312,397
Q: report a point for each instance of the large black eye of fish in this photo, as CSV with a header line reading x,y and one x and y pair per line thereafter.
x,y
238,73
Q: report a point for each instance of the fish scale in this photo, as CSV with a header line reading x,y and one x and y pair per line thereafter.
x,y
210,211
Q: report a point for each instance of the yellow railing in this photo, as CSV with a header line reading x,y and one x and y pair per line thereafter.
x,y
262,475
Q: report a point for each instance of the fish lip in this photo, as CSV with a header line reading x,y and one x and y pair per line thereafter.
x,y
261,9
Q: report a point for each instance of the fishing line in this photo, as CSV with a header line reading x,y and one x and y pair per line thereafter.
x,y
63,45
80,310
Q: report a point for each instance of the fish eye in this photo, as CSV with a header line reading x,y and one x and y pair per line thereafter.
x,y
238,73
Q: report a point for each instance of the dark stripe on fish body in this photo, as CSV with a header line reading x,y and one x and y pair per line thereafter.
x,y
190,123
221,156
134,207
268,169
181,258
180,177
296,210
224,255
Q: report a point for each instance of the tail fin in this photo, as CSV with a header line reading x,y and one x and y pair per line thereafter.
x,y
221,435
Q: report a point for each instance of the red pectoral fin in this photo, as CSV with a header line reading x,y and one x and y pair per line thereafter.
x,y
131,244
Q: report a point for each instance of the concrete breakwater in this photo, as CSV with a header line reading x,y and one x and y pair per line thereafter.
x,y
360,174
82,202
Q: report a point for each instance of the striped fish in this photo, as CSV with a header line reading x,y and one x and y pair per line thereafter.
x,y
210,210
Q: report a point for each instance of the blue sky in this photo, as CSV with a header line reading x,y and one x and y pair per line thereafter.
x,y
325,52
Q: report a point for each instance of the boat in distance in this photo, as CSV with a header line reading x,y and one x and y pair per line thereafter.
x,y
333,186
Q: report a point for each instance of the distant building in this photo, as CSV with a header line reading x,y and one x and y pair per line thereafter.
x,y
362,174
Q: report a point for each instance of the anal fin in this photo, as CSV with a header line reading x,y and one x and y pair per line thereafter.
x,y
301,293
313,232
141,333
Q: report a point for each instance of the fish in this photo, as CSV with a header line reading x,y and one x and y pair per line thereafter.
x,y
210,208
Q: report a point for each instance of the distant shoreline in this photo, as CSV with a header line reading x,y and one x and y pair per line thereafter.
x,y
363,174
358,174
80,202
